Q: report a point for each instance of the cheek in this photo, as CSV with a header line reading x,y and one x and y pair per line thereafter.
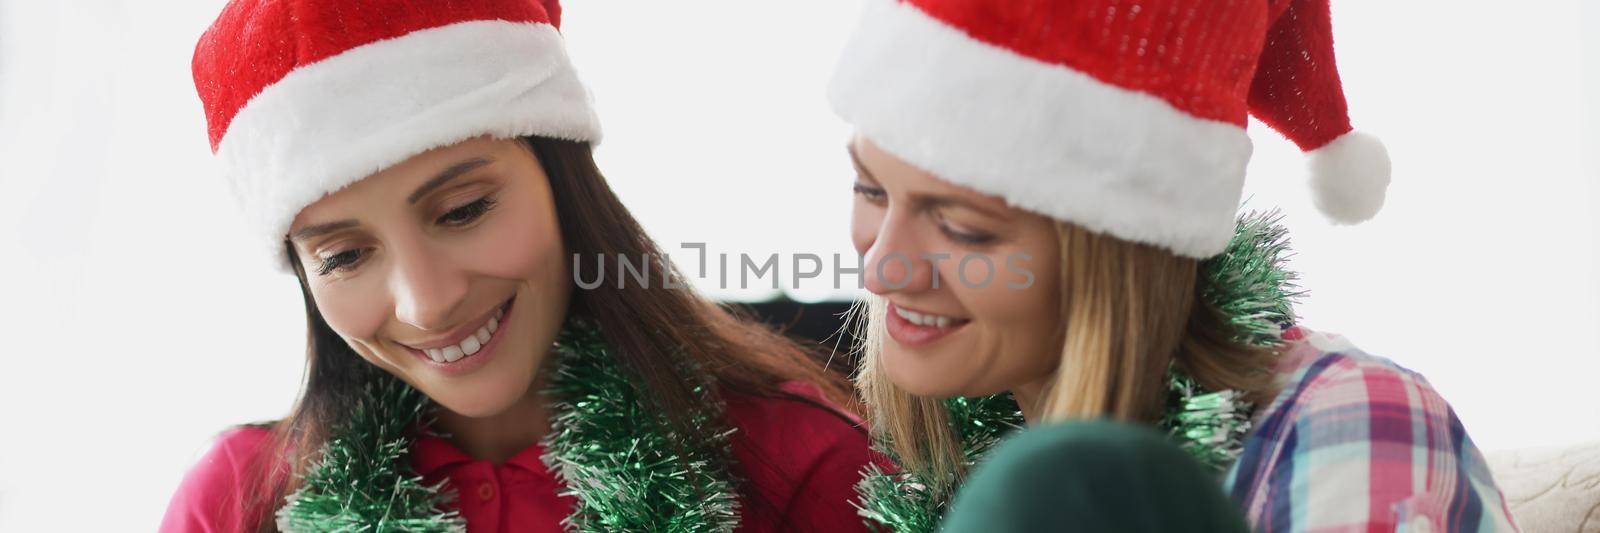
x,y
1015,341
974,271
1000,306
354,311
521,244
1023,321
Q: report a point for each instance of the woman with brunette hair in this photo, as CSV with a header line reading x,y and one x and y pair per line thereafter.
x,y
424,170
1045,198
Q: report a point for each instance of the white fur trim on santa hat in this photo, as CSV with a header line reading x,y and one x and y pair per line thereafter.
x,y
1044,137
1350,177
334,122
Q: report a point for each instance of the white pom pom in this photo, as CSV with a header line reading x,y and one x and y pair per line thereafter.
x,y
1349,177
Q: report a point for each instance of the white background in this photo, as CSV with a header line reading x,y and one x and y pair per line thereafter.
x,y
136,325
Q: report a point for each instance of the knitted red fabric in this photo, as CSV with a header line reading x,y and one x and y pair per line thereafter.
x,y
1172,49
1297,89
255,43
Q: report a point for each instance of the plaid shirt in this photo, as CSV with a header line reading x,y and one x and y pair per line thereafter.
x,y
1357,443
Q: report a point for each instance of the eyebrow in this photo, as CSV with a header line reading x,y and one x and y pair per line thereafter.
x,y
438,180
926,201
455,171
322,229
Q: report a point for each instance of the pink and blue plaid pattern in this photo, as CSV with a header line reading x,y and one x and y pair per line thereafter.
x,y
1357,443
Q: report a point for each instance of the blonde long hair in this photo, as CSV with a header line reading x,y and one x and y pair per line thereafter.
x,y
1129,311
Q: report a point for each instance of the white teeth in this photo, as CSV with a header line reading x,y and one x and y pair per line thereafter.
x,y
468,346
453,354
922,319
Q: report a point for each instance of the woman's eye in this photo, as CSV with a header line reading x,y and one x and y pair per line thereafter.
x,y
341,261
870,193
466,214
961,235
966,237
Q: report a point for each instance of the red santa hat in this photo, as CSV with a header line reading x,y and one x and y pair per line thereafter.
x,y
304,97
1126,118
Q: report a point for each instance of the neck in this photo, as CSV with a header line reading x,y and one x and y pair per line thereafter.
x,y
1027,397
498,437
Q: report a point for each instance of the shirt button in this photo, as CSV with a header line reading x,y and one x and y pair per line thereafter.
x,y
486,492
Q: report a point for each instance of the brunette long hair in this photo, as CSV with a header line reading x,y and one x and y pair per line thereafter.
x,y
644,327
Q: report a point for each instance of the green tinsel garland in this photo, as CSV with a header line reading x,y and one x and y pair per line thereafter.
x,y
906,502
1248,282
362,481
628,470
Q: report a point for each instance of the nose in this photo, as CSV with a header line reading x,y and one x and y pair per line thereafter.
x,y
896,262
427,287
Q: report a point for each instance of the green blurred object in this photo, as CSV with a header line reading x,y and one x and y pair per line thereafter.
x,y
1092,476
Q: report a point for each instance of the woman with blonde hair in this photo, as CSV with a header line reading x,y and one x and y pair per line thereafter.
x,y
1045,200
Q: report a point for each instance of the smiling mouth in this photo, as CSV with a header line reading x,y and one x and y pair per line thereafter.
x,y
470,344
913,328
927,319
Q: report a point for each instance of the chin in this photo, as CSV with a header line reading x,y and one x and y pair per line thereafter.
x,y
472,407
941,372
489,390
937,374
482,398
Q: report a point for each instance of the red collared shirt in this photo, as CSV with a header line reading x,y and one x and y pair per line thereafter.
x,y
801,456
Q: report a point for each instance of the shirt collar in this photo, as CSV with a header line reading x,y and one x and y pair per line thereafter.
x,y
431,454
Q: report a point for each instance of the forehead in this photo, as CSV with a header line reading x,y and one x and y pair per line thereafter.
x,y
891,171
394,184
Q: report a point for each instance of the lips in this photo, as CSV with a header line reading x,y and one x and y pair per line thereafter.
x,y
472,349
916,328
470,345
